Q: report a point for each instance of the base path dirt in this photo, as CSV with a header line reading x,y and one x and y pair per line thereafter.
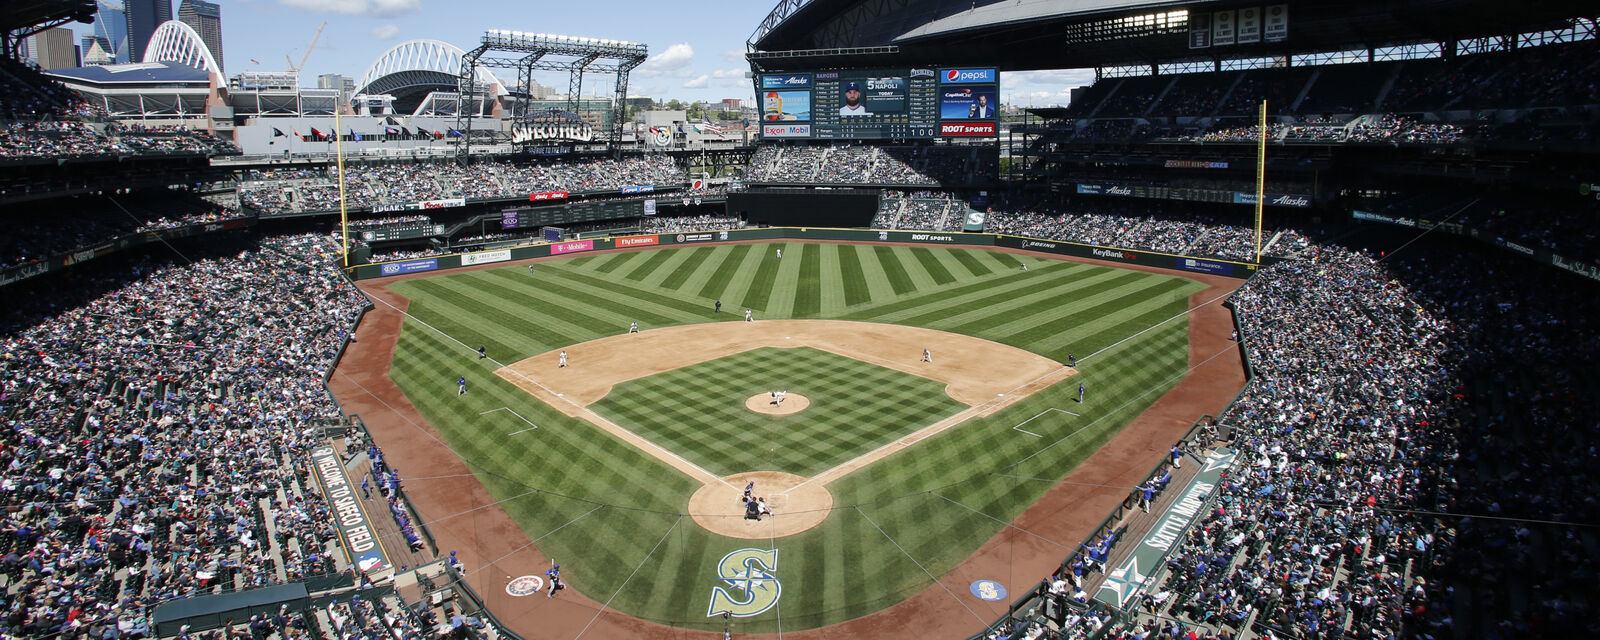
x,y
462,516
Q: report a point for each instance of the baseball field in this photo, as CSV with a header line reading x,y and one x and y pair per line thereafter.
x,y
883,471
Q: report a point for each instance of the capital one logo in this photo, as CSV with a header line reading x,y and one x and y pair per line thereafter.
x,y
750,572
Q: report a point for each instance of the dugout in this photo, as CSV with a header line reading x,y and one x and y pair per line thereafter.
x,y
805,207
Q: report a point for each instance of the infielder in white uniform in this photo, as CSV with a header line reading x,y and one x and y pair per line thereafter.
x,y
634,327
748,316
927,356
563,358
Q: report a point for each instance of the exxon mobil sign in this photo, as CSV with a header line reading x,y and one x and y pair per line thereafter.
x,y
957,76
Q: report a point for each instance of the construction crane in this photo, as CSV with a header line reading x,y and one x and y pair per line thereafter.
x,y
295,68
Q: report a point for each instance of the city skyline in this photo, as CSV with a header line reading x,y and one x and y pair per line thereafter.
x,y
694,55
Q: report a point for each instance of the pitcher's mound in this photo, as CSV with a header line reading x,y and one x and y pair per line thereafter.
x,y
718,508
792,403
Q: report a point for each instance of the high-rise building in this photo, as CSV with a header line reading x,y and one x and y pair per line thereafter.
x,y
143,18
111,29
54,49
206,19
94,52
344,84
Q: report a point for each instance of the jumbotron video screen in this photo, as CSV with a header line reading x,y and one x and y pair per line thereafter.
x,y
877,104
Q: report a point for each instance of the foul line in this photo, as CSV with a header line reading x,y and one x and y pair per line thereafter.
x,y
1153,327
1018,426
547,534
531,425
625,582
935,580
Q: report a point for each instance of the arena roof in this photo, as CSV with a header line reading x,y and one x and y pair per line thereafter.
x,y
135,73
1017,35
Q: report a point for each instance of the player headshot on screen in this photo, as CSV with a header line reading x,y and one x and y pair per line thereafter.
x,y
980,109
852,101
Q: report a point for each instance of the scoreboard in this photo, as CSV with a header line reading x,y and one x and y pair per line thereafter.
x,y
875,104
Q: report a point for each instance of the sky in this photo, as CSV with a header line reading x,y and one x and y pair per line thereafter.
x,y
696,53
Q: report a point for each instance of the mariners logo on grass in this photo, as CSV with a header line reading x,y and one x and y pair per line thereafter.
x,y
525,586
988,590
749,571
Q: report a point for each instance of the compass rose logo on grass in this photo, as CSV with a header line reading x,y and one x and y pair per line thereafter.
x,y
749,571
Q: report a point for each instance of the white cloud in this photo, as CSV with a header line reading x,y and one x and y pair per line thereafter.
x,y
729,73
733,55
698,83
385,32
366,8
674,61
1042,88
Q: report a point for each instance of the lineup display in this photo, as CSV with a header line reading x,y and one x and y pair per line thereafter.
x,y
875,104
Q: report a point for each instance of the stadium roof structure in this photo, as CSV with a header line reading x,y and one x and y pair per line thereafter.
x,y
414,69
137,73
1020,35
23,18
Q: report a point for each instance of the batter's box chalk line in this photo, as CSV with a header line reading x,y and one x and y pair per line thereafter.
x,y
1018,427
531,425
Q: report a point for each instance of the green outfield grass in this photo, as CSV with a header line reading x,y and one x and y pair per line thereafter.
x,y
611,512
698,411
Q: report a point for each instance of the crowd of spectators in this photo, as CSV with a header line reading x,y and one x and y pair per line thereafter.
x,y
929,211
867,165
1125,225
154,435
676,224
277,192
43,119
87,222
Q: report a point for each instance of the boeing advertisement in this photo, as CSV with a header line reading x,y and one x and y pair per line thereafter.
x,y
915,103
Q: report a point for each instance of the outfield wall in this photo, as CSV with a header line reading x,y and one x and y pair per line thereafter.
x,y
1241,270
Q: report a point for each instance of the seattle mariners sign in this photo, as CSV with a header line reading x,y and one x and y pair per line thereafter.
x,y
1126,580
749,571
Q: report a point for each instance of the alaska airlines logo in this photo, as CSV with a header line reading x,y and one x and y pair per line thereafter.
x,y
1292,201
749,571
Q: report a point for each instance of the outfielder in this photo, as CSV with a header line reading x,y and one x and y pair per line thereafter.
x,y
780,253
461,386
563,359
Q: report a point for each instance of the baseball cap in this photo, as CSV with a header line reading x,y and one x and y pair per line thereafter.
x,y
853,86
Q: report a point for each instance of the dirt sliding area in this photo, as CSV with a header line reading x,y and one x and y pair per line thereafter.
x,y
986,376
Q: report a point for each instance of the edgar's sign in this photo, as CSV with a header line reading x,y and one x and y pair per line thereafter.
x,y
749,571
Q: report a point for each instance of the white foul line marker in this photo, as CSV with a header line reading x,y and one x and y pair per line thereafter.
x,y
531,426
1041,413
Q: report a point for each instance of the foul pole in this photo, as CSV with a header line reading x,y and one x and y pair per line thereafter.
x,y
338,152
1261,175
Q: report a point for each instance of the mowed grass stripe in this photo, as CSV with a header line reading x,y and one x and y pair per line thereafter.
x,y
933,265
613,262
451,310
854,282
665,268
831,280
937,303
968,259
575,316
730,257
687,268
1045,301
808,286
743,275
1104,330
759,289
652,260
1124,300
893,271
679,308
